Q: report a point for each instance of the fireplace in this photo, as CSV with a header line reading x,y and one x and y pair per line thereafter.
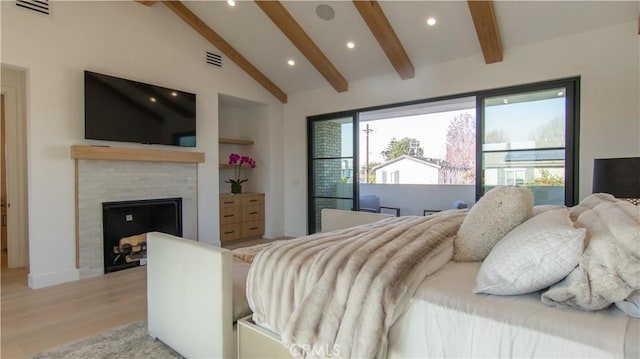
x,y
126,223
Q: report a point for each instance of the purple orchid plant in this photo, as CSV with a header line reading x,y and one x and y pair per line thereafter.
x,y
237,161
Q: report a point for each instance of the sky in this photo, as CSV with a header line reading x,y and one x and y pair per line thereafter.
x,y
430,130
517,120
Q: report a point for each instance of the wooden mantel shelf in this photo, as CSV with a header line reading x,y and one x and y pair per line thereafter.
x,y
80,152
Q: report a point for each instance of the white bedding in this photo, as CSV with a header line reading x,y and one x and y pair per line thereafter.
x,y
343,290
446,319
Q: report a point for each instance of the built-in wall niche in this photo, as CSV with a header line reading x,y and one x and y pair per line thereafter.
x,y
243,128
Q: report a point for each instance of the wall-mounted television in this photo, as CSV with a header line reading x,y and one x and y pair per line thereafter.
x,y
117,109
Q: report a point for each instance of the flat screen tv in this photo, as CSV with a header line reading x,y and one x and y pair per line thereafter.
x,y
117,109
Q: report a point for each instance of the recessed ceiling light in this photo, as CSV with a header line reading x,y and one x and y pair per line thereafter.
x,y
291,62
174,94
431,21
505,101
231,3
351,45
561,93
152,99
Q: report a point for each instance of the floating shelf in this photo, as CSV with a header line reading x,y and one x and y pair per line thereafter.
x,y
134,154
235,141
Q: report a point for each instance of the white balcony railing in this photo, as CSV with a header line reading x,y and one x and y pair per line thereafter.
x,y
413,199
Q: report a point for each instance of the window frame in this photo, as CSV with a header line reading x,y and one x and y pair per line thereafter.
x,y
572,131
572,136
311,197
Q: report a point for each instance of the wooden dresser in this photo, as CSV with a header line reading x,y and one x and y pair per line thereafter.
x,y
241,216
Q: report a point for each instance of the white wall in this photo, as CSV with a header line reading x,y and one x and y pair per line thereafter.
x,y
606,59
124,39
410,172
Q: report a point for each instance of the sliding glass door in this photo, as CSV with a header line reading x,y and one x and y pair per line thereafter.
x,y
529,138
331,165
523,135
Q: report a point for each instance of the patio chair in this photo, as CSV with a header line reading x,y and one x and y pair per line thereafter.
x,y
371,203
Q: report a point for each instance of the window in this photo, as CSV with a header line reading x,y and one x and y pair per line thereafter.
x,y
518,136
528,137
432,142
395,177
331,163
514,176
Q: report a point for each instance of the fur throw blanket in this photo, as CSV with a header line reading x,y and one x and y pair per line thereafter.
x,y
338,293
609,270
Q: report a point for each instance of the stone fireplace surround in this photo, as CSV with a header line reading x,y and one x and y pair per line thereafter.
x,y
138,175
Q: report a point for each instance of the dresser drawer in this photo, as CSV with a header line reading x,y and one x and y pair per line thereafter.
x,y
253,200
229,232
253,228
230,201
241,216
229,215
252,213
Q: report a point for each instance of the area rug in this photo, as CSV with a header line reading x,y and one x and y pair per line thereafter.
x,y
129,341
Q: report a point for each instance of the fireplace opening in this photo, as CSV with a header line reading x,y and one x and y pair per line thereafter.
x,y
126,224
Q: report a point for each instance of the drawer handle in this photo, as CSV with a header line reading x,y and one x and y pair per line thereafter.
x,y
253,200
230,202
229,232
253,228
253,212
229,215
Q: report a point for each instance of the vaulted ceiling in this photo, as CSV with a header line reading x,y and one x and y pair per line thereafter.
x,y
261,37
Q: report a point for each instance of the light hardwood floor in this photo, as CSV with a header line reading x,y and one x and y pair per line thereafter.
x,y
36,320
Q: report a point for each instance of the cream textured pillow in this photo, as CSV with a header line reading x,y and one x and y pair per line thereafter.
x,y
499,211
535,255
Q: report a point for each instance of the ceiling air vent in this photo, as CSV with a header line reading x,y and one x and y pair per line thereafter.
x,y
41,6
214,59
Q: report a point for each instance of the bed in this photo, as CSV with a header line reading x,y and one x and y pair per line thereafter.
x,y
191,310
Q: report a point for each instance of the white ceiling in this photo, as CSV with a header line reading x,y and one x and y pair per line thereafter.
x,y
253,34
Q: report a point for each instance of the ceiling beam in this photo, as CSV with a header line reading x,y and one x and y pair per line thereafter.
x,y
484,19
216,40
298,37
146,2
379,25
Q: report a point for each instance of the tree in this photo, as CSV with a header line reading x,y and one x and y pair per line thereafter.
x,y
550,133
372,175
461,151
405,146
546,178
496,136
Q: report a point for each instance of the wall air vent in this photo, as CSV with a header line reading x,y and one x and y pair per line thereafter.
x,y
41,6
214,59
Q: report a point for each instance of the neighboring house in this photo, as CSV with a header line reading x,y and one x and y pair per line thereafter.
x,y
516,168
408,169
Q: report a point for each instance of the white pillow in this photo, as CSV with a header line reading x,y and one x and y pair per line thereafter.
x,y
545,207
499,211
535,255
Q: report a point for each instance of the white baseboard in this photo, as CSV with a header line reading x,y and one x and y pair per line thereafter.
x,y
36,281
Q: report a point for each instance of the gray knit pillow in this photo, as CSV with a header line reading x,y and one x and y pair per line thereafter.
x,y
499,211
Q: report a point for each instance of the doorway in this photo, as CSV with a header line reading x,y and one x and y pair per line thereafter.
x,y
3,185
13,169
